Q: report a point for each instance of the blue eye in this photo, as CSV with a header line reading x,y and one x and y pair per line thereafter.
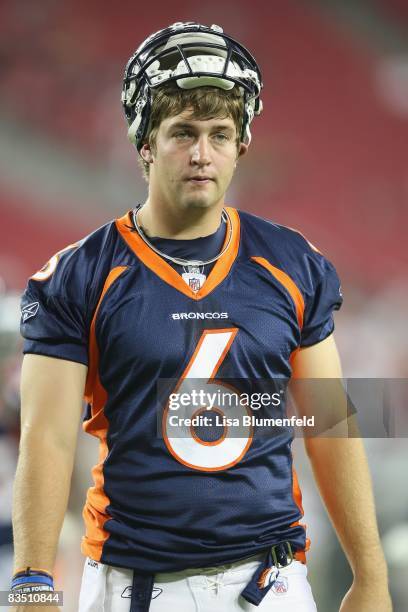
x,y
220,137
182,135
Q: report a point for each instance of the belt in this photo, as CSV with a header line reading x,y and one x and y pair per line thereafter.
x,y
263,579
142,588
267,572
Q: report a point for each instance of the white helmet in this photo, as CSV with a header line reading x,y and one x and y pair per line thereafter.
x,y
192,55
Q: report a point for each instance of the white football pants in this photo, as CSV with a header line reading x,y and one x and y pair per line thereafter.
x,y
108,589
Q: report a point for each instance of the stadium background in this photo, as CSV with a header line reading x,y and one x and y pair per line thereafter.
x,y
329,157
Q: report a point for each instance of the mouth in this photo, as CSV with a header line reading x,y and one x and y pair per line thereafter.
x,y
199,180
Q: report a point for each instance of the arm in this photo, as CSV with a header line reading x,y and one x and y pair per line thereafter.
x,y
341,471
51,407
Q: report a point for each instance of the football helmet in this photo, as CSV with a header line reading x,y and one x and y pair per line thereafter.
x,y
192,55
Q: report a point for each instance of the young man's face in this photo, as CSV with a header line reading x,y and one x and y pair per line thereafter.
x,y
193,161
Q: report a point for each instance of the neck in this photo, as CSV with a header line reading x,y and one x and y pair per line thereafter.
x,y
169,222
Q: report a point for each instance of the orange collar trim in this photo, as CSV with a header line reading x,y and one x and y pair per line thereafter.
x,y
161,268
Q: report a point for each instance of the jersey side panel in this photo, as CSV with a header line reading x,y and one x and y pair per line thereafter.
x,y
94,512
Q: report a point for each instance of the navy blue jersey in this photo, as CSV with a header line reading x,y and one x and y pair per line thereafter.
x,y
113,304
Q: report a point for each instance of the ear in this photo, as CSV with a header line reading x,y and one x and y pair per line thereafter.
x,y
243,148
146,153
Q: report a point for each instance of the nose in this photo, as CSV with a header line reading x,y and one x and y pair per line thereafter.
x,y
200,154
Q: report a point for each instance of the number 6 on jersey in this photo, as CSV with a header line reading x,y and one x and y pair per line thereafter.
x,y
182,441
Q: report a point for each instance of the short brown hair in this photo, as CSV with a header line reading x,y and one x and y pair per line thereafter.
x,y
207,103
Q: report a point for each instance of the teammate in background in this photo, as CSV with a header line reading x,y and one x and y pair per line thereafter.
x,y
184,288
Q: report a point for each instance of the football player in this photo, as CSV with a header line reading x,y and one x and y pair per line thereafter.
x,y
155,318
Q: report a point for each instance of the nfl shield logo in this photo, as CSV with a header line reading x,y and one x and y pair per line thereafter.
x,y
194,284
280,586
194,279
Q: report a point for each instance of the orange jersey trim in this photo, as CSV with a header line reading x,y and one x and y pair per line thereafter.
x,y
300,555
289,285
168,274
94,512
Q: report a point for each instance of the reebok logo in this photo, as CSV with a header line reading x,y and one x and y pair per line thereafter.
x,y
127,592
179,316
29,311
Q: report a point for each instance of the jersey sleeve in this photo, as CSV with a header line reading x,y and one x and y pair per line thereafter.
x,y
54,313
322,297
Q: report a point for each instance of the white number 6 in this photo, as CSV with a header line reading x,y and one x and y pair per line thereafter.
x,y
186,447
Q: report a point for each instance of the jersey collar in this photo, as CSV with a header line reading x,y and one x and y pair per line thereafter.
x,y
166,272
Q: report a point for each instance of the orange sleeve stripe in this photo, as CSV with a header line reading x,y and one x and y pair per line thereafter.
x,y
289,285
